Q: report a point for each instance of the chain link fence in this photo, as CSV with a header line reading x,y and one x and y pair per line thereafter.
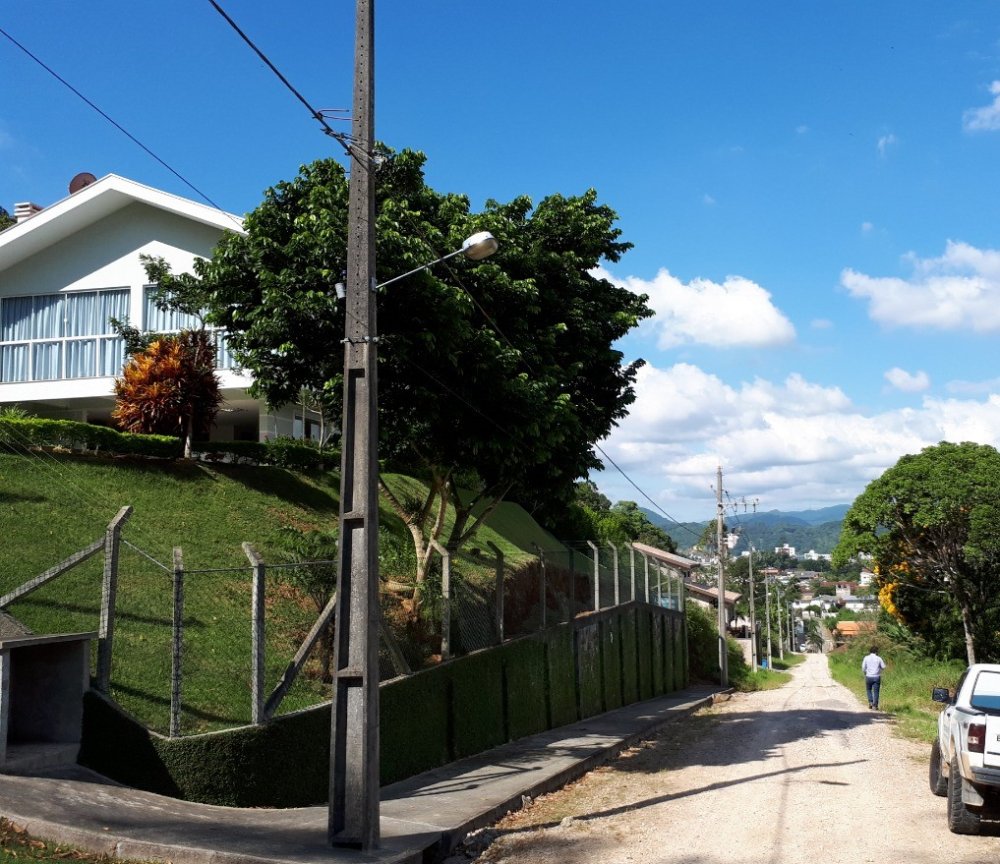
x,y
198,649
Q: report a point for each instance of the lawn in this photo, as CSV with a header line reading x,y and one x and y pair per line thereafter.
x,y
55,505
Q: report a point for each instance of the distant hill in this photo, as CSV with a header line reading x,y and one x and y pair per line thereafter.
x,y
804,529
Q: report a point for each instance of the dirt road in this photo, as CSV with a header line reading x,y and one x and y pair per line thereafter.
x,y
800,774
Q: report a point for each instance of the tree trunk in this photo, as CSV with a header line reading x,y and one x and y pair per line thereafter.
x,y
970,644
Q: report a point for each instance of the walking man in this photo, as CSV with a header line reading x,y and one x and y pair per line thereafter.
x,y
871,668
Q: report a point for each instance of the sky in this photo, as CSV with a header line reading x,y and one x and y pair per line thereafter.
x,y
811,190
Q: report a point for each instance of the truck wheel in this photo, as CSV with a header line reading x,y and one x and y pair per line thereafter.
x,y
961,820
939,783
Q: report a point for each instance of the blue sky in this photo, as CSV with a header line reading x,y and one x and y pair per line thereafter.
x,y
811,188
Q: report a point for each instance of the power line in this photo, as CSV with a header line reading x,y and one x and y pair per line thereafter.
x,y
114,123
343,139
496,328
347,144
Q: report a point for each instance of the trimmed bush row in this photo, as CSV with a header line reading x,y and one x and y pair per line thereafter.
x,y
460,708
18,433
15,434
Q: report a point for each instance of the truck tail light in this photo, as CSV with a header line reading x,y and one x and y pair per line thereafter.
x,y
976,737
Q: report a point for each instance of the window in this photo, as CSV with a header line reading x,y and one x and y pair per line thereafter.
x,y
172,321
986,692
68,335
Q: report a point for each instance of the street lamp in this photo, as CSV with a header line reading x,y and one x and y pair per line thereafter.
x,y
475,248
354,723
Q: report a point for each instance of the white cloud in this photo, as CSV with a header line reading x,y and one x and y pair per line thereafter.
x,y
821,324
974,388
986,119
707,200
791,444
959,290
737,313
802,129
867,227
908,383
884,143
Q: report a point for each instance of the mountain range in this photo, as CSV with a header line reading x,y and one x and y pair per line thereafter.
x,y
806,530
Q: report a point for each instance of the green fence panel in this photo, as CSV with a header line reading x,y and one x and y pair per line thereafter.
x,y
588,669
561,668
611,661
477,709
630,661
524,681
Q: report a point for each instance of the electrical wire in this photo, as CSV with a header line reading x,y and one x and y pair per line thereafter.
x,y
344,140
496,328
118,125
349,147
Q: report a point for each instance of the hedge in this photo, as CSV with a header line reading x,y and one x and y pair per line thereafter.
x,y
460,708
16,433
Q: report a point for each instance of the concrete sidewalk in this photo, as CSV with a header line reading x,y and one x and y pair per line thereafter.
x,y
421,818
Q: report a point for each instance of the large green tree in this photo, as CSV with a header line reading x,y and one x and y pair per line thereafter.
x,y
495,379
932,523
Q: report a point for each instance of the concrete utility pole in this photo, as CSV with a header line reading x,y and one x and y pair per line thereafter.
x,y
767,607
753,613
723,654
354,743
779,614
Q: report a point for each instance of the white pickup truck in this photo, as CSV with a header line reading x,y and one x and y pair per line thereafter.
x,y
965,759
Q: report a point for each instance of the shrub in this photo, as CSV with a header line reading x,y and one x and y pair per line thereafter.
x,y
703,645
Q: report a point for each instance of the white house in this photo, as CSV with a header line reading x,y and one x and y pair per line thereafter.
x,y
67,269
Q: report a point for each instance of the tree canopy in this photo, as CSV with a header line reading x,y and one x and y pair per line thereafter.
x,y
495,378
932,524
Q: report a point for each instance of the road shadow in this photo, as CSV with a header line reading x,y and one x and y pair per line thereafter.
x,y
758,736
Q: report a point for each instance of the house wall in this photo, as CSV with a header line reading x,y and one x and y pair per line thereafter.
x,y
106,255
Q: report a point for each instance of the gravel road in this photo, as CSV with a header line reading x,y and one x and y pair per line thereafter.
x,y
800,774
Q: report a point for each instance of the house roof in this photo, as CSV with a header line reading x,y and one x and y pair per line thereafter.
x,y
855,628
711,593
678,562
93,203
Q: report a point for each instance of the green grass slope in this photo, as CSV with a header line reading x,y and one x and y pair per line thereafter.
x,y
54,505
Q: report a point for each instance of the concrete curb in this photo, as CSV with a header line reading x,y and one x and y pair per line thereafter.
x,y
423,818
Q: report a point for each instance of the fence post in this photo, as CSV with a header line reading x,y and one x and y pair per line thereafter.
x,y
109,594
597,576
645,565
631,569
257,624
178,644
614,570
541,564
499,588
445,599
659,584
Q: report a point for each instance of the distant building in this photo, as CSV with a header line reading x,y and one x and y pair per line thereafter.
x,y
866,578
785,549
813,555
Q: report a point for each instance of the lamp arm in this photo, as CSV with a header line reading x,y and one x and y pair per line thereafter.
x,y
418,269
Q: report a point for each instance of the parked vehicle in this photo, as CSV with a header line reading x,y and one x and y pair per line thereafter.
x,y
965,758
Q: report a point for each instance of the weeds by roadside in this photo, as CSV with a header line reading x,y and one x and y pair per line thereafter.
x,y
18,846
906,684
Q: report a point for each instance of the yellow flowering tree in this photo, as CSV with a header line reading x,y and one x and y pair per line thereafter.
x,y
932,524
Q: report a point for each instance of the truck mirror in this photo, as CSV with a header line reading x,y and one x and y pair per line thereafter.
x,y
941,694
